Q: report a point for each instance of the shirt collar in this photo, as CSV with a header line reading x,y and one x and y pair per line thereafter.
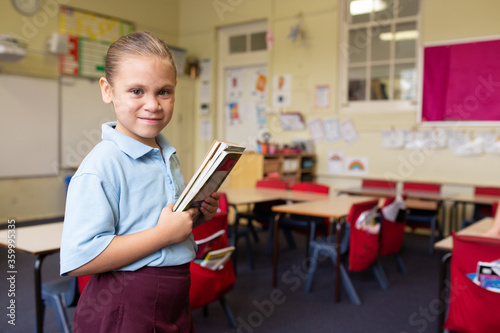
x,y
132,147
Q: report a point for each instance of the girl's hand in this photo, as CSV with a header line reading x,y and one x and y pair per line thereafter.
x,y
209,208
176,226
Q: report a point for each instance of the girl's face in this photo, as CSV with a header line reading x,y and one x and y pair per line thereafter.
x,y
143,95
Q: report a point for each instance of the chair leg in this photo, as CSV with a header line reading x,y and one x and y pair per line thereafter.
x,y
248,244
55,302
252,231
312,269
228,312
400,263
379,273
289,238
346,281
433,231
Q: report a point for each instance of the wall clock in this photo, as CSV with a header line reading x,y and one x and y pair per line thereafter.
x,y
27,7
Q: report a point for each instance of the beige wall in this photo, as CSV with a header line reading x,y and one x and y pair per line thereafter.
x,y
193,24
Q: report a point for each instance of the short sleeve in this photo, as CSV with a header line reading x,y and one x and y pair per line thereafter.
x,y
90,220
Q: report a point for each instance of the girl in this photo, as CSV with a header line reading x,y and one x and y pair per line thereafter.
x,y
119,225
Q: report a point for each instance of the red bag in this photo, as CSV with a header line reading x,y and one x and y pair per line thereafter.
x,y
472,308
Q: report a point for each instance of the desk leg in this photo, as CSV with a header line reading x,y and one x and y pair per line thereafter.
x,y
338,227
275,249
38,293
443,274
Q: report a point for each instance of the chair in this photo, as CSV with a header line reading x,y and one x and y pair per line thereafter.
x,y
208,285
421,218
482,210
391,185
392,230
241,231
299,221
472,307
361,246
59,295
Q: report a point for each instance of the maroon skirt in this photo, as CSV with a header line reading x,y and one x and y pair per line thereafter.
x,y
151,299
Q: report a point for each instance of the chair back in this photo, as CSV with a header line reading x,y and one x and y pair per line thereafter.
x,y
427,187
208,285
310,187
223,203
472,307
391,232
493,191
364,246
272,183
379,183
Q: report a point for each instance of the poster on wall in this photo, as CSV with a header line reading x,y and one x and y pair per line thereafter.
x,y
89,36
322,96
348,131
356,166
282,87
335,162
316,130
332,129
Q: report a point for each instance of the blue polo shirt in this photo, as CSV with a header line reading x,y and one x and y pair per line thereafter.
x,y
121,188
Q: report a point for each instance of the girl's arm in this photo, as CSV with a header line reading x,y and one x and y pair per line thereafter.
x,y
123,250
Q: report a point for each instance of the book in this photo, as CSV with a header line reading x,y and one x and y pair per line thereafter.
x,y
217,164
205,245
216,259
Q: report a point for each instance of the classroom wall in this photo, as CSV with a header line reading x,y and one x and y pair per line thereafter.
x,y
192,24
314,60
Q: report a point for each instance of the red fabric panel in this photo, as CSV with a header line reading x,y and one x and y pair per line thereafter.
x,y
378,183
310,187
429,187
223,203
82,282
461,81
494,191
279,184
208,286
472,308
363,247
392,234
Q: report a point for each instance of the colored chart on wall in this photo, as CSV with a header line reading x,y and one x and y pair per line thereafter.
x,y
89,38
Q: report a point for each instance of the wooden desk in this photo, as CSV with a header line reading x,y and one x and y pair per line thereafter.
x,y
475,229
334,208
464,199
40,241
368,191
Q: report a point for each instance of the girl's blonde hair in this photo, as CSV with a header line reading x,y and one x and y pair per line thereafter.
x,y
140,43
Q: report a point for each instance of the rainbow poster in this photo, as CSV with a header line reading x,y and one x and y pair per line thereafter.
x,y
335,162
356,166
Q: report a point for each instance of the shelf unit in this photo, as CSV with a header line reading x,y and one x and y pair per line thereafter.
x,y
292,168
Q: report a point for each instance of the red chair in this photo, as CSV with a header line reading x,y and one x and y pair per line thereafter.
x,y
208,285
361,246
482,210
391,185
421,218
471,307
392,233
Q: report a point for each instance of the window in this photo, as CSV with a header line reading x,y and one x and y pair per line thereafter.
x,y
379,55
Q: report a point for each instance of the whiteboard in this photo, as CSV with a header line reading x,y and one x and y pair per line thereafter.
x,y
82,114
28,127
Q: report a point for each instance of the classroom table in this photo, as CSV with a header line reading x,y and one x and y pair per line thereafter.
x,y
40,241
334,208
446,244
381,192
463,200
253,195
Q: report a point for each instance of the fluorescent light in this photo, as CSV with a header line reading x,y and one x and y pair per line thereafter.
x,y
359,7
400,35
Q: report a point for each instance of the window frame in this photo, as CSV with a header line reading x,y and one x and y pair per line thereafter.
x,y
367,105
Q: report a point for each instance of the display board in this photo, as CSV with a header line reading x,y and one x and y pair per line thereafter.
x,y
461,82
82,114
29,127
